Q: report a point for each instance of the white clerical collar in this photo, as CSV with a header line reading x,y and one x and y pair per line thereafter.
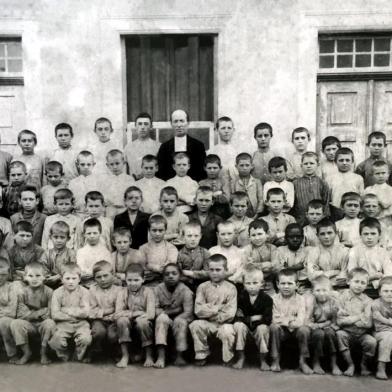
x,y
180,143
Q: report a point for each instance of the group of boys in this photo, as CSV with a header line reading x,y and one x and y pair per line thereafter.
x,y
273,249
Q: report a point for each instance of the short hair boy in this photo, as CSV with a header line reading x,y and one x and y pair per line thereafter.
x,y
300,137
329,146
314,214
17,179
54,180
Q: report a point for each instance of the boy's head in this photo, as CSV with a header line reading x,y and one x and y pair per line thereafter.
x,y
103,129
133,198
329,146
4,271
258,232
18,172
85,163
344,159
380,171
171,275
181,164
300,137
244,164
370,205
64,134
54,172
204,199
92,230
262,133
143,125
253,279
103,274
115,162
122,239
351,204
321,288
326,232
217,267
275,200
70,276
226,234
212,166
59,233
239,204
294,235
134,277
277,166
168,199
287,282
192,234
27,141
24,234
225,128
315,212
34,275
377,142
309,163
29,198
149,166
358,279
64,201
157,226
370,231
95,204
385,289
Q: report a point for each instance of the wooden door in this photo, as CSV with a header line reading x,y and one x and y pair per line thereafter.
x,y
343,112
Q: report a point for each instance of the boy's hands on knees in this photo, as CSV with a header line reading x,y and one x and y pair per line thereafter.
x,y
52,279
256,317
123,313
188,274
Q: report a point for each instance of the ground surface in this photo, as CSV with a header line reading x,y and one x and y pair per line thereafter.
x,y
75,377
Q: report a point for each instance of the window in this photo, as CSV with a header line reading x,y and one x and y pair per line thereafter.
x,y
356,53
11,57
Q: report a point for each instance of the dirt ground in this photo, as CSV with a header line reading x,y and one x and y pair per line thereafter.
x,y
75,377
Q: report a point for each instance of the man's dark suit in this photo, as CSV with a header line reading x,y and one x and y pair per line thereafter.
x,y
197,155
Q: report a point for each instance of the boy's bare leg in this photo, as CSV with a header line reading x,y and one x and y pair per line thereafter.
x,y
335,368
316,365
381,374
44,355
180,360
26,351
364,367
349,372
149,361
239,363
275,365
161,360
123,362
263,364
305,369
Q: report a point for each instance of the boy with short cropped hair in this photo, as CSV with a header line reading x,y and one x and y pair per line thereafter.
x,y
103,297
54,178
135,309
92,252
157,252
355,320
17,180
174,309
277,220
70,309
277,168
215,309
300,137
64,203
33,314
29,201
254,315
207,219
248,184
239,205
150,185
376,143
329,146
288,321
314,214
382,318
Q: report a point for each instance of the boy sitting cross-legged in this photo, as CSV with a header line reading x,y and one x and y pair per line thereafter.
x,y
135,308
70,310
254,315
174,309
33,314
215,308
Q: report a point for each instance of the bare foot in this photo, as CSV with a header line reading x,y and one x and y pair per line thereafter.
x,y
86,359
180,361
23,359
200,362
365,371
381,375
305,369
264,367
350,371
122,363
317,369
336,371
239,364
275,366
148,362
136,358
13,359
45,360
159,363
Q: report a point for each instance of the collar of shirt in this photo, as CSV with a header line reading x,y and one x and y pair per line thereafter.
x,y
180,143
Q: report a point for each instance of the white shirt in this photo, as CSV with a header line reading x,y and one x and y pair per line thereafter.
x,y
136,150
180,144
113,187
151,188
79,186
